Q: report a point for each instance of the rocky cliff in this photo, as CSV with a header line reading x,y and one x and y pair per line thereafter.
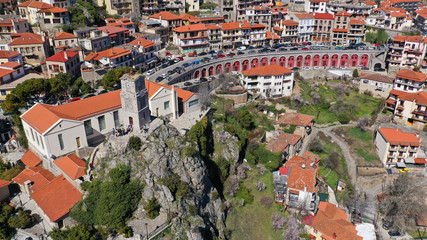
x,y
199,215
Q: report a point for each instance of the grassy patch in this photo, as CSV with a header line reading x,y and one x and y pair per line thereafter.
x,y
367,156
253,221
357,133
330,176
415,234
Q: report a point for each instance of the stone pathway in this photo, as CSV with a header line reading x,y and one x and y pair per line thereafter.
x,y
331,197
186,121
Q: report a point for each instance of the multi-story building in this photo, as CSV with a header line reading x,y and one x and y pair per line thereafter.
x,y
122,22
305,25
118,35
406,51
356,10
420,20
9,6
277,14
408,5
408,108
268,81
64,40
356,31
33,47
231,34
10,71
377,84
43,14
272,38
167,20
287,30
315,6
122,7
393,145
215,39
110,58
62,62
258,15
11,25
285,143
92,39
191,38
340,30
193,5
410,81
323,23
10,56
253,34
60,3
143,52
302,122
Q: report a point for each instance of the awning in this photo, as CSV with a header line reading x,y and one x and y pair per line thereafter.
x,y
400,164
409,160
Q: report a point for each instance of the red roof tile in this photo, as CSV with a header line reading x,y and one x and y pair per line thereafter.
x,y
281,140
339,30
268,70
187,16
8,54
191,28
370,3
397,136
398,14
289,23
153,87
302,178
57,198
324,16
4,183
4,72
296,119
12,65
26,38
420,160
110,30
357,22
35,4
143,42
111,53
165,16
53,10
72,165
419,97
39,177
304,15
64,35
30,159
343,13
62,56
378,77
411,75
230,25
8,22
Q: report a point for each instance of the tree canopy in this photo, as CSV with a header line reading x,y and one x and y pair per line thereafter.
x,y
112,77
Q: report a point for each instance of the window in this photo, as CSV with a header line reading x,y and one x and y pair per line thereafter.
x,y
88,127
41,141
101,123
32,134
194,102
116,119
79,144
166,105
61,141
3,92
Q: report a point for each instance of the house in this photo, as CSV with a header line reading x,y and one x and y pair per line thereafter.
x,y
260,15
92,39
12,25
302,122
377,84
287,30
410,81
54,196
332,222
268,81
231,34
60,4
62,62
272,38
118,35
288,144
10,71
64,40
253,34
7,88
323,23
394,146
215,39
144,53
406,51
4,190
43,14
122,22
110,58
295,183
356,32
170,102
409,108
167,20
305,25
72,166
315,6
54,131
33,47
340,30
9,6
10,56
190,38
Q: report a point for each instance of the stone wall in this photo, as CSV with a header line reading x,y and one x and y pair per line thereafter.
x,y
237,98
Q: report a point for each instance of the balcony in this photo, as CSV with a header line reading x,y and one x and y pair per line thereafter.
x,y
413,149
391,155
419,112
403,148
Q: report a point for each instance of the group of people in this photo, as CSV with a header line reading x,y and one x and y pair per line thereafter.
x,y
122,131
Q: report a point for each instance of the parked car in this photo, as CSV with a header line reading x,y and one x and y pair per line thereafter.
x,y
387,225
185,65
180,58
211,52
294,49
150,72
252,51
259,46
211,78
283,49
230,54
241,48
316,67
249,48
307,68
165,75
169,54
203,53
339,47
192,55
188,84
159,79
221,55
304,48
240,53
404,170
203,79
197,81
295,69
394,233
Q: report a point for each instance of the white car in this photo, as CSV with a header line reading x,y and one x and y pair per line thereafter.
x,y
150,72
165,75
317,67
241,48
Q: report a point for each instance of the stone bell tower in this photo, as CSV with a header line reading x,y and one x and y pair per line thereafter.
x,y
134,97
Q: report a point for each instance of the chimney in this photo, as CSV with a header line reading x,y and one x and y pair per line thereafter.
x,y
303,166
417,134
27,186
65,55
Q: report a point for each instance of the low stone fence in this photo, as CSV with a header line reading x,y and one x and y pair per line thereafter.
x,y
237,98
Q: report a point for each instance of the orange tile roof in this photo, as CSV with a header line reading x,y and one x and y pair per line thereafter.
x,y
72,165
400,1
8,54
280,141
165,16
41,117
143,42
268,70
289,23
377,77
4,72
271,35
191,28
318,1
398,14
296,119
53,10
300,160
26,38
111,30
370,3
13,65
304,15
420,160
39,177
57,198
332,223
339,30
186,16
64,35
30,159
302,178
4,183
397,136
111,53
311,156
230,25
213,26
411,75
324,16
343,13
62,56
35,4
419,97
278,29
153,87
357,22
8,22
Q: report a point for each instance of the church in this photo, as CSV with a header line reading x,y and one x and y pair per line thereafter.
x,y
54,131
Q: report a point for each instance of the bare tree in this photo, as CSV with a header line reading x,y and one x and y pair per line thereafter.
x,y
266,201
315,98
299,101
405,199
260,185
363,122
277,221
241,171
292,231
233,185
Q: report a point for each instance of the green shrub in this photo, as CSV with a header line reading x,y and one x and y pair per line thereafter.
x,y
192,210
244,194
11,173
214,195
125,230
85,186
183,189
152,208
189,151
290,129
22,220
224,167
343,118
135,143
